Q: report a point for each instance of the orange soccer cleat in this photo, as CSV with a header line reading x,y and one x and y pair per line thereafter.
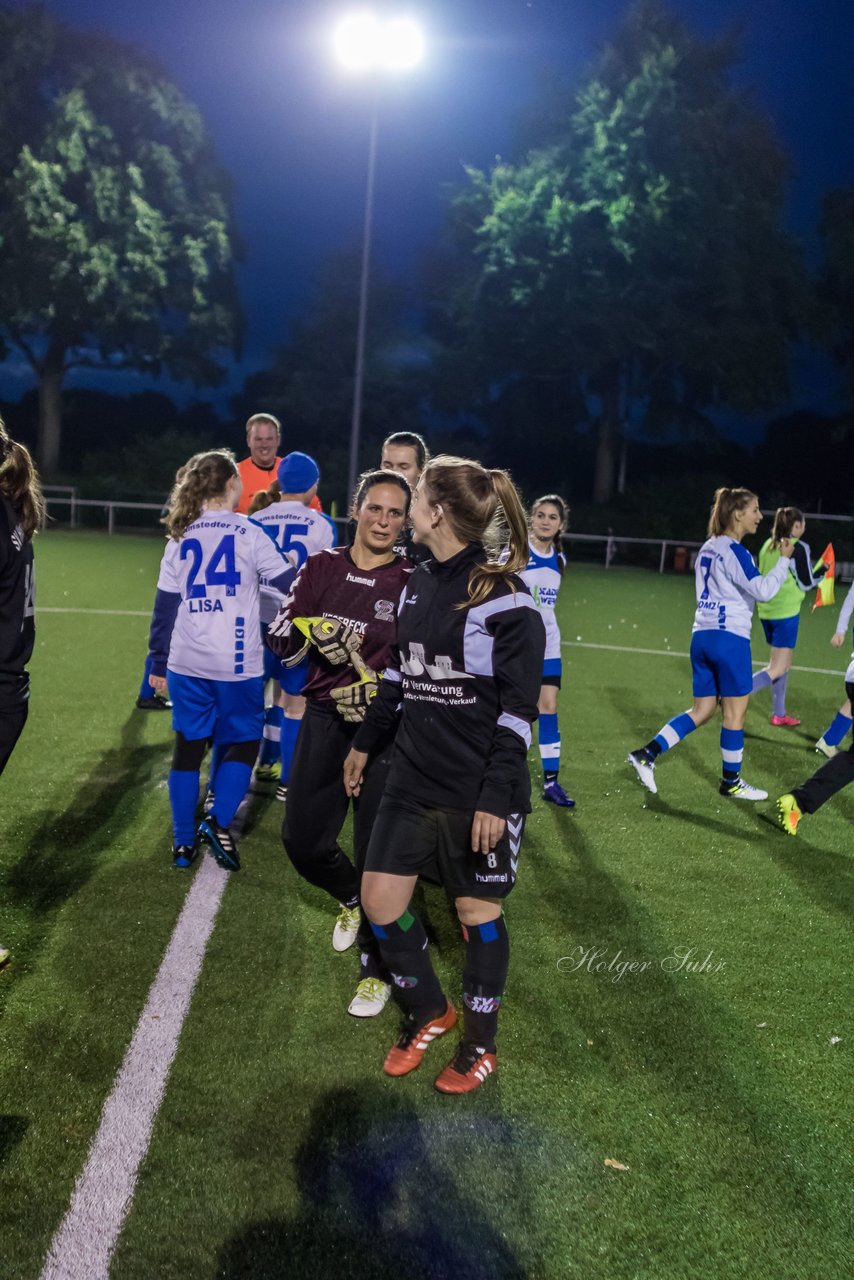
x,y
414,1039
468,1070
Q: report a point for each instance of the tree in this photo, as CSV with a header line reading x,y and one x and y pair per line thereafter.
x,y
836,283
309,385
117,241
637,252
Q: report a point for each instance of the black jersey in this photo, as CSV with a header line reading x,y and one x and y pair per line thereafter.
x,y
467,681
17,596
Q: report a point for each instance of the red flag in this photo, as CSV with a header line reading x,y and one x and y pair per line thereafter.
x,y
824,591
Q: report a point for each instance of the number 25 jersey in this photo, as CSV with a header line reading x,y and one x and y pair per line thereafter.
x,y
215,568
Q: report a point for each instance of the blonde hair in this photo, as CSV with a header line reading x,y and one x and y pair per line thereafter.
x,y
727,503
480,506
266,498
19,482
202,477
785,519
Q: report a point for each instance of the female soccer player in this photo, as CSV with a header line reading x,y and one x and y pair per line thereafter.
x,y
285,513
728,582
205,644
21,514
781,615
828,743
463,686
340,614
542,576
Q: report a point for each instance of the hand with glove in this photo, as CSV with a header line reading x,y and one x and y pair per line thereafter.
x,y
352,700
337,641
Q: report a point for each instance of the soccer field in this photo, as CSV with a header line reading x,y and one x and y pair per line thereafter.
x,y
678,1000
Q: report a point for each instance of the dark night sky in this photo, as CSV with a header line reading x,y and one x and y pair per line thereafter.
x,y
292,129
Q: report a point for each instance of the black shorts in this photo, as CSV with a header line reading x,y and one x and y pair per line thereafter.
x,y
410,839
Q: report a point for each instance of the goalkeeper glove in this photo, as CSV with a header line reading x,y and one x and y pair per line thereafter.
x,y
352,701
335,640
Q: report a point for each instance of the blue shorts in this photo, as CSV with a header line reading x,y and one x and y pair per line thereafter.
x,y
225,710
292,679
781,633
721,665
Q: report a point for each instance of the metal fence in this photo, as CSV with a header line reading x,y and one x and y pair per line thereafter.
x,y
610,548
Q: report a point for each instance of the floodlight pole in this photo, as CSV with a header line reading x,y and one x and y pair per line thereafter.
x,y
359,371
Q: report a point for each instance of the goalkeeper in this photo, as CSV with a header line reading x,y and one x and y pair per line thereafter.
x,y
341,616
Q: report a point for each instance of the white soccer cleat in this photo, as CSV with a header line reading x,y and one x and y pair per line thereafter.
x,y
346,928
372,996
742,791
826,749
645,769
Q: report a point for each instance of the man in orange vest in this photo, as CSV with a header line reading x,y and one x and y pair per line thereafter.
x,y
258,471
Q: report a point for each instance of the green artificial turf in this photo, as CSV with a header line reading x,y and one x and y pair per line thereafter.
x,y
281,1149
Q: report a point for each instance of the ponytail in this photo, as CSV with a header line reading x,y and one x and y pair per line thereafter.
x,y
19,482
481,506
785,519
266,498
726,504
203,477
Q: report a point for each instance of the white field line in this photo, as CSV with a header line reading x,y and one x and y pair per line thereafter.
x,y
102,613
87,1235
674,653
567,644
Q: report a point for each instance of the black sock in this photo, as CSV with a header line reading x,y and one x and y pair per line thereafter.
x,y
370,960
549,777
652,749
404,948
484,976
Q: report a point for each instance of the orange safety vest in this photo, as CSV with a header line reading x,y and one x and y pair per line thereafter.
x,y
257,479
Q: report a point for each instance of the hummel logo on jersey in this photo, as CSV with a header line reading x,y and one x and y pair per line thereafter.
x,y
411,599
363,582
441,668
18,536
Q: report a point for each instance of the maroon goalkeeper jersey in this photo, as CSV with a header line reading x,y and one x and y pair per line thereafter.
x,y
329,585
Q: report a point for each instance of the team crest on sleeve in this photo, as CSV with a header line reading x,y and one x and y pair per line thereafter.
x,y
384,610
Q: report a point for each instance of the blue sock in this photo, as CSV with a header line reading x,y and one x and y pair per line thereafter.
x,y
778,694
145,689
674,731
837,731
549,735
216,761
270,742
232,782
183,797
732,753
761,681
287,743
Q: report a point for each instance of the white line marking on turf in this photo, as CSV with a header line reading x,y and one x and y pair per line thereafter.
x,y
87,1235
675,653
101,613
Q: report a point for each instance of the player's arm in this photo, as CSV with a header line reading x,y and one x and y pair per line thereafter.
x,y
802,569
518,651
300,601
844,621
740,568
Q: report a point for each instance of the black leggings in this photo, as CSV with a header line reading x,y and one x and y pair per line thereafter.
x,y
13,717
317,804
188,753
830,778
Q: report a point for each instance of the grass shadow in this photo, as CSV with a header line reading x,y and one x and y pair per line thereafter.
x,y
63,851
376,1204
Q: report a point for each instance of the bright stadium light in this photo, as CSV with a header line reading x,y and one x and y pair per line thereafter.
x,y
374,45
366,42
